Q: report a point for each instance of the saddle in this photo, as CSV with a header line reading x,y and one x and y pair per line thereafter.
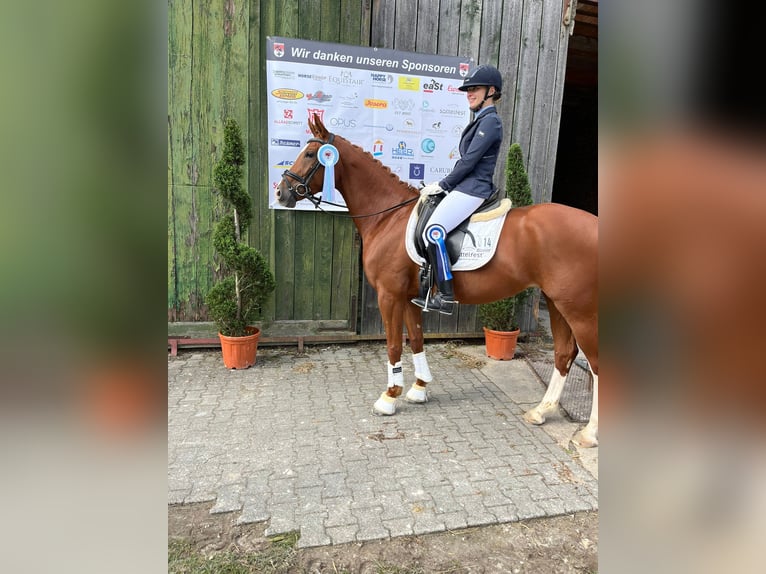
x,y
457,236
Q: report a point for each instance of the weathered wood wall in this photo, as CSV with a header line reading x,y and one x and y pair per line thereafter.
x,y
216,68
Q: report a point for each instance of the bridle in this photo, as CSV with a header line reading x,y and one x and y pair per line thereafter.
x,y
302,190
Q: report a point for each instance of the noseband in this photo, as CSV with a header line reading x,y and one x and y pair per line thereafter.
x,y
302,190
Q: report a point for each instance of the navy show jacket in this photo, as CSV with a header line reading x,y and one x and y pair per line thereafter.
x,y
479,147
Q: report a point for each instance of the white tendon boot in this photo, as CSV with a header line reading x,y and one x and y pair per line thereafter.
x,y
418,393
386,405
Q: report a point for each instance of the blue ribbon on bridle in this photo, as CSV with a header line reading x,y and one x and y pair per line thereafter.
x,y
328,156
303,190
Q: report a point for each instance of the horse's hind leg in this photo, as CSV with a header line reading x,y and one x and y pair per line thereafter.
x,y
588,436
413,317
564,353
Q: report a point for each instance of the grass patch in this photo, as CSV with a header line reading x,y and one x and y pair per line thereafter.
x,y
277,558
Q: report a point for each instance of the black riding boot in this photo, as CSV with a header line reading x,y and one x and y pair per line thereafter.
x,y
444,300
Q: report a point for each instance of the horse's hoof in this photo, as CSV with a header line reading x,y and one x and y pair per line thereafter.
x,y
585,438
417,394
385,405
534,417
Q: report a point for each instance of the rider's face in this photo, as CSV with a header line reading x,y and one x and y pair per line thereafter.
x,y
475,94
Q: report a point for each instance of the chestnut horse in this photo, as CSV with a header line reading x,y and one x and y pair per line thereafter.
x,y
549,245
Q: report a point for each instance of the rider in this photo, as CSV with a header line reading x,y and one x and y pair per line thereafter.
x,y
468,184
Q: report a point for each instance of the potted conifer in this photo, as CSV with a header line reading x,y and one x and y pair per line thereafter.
x,y
500,318
236,301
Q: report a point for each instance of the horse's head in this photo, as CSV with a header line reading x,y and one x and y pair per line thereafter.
x,y
301,181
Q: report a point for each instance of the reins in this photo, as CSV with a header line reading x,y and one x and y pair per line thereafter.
x,y
303,182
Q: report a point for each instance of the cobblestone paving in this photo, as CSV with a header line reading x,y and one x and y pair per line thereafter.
x,y
293,441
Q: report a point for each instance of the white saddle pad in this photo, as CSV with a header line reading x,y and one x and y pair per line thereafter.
x,y
484,227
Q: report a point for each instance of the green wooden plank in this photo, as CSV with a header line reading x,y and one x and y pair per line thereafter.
x,y
330,20
284,268
345,271
489,38
427,32
287,21
305,239
351,21
179,133
382,25
527,74
172,292
310,25
405,25
365,24
470,28
448,25
322,291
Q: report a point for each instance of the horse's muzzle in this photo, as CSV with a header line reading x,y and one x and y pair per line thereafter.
x,y
284,197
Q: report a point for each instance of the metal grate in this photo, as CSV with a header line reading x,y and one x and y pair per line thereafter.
x,y
577,396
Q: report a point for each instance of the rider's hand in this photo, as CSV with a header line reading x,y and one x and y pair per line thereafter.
x,y
432,189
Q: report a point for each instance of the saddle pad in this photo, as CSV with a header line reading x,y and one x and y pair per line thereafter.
x,y
484,227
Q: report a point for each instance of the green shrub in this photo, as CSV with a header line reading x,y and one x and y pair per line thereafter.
x,y
237,300
502,315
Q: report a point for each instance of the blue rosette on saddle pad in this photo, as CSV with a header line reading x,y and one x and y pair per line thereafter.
x,y
328,156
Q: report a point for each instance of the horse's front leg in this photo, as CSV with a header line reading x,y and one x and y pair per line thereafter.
x,y
391,311
413,316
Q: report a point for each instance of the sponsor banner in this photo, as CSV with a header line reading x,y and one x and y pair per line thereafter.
x,y
401,107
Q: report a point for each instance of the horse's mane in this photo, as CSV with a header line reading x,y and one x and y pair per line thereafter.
x,y
383,167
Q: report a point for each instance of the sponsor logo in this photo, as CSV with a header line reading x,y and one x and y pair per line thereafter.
x,y
287,119
401,151
287,94
285,143
403,105
439,170
436,126
381,79
284,164
315,77
316,112
454,90
464,70
428,145
377,148
376,104
349,101
319,97
342,123
387,127
283,74
432,86
452,112
454,154
457,130
425,106
345,79
408,83
417,170
409,124
279,50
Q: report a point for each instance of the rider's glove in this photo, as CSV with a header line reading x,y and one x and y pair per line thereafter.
x,y
432,189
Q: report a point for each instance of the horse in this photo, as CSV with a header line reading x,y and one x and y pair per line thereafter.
x,y
548,245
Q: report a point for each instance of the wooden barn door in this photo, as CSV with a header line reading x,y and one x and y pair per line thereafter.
x,y
527,41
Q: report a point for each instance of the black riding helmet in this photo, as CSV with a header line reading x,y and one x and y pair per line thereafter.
x,y
483,76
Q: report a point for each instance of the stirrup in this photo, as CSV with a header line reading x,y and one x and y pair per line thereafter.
x,y
435,303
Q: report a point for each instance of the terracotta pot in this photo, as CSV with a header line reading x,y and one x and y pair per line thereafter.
x,y
239,352
501,345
